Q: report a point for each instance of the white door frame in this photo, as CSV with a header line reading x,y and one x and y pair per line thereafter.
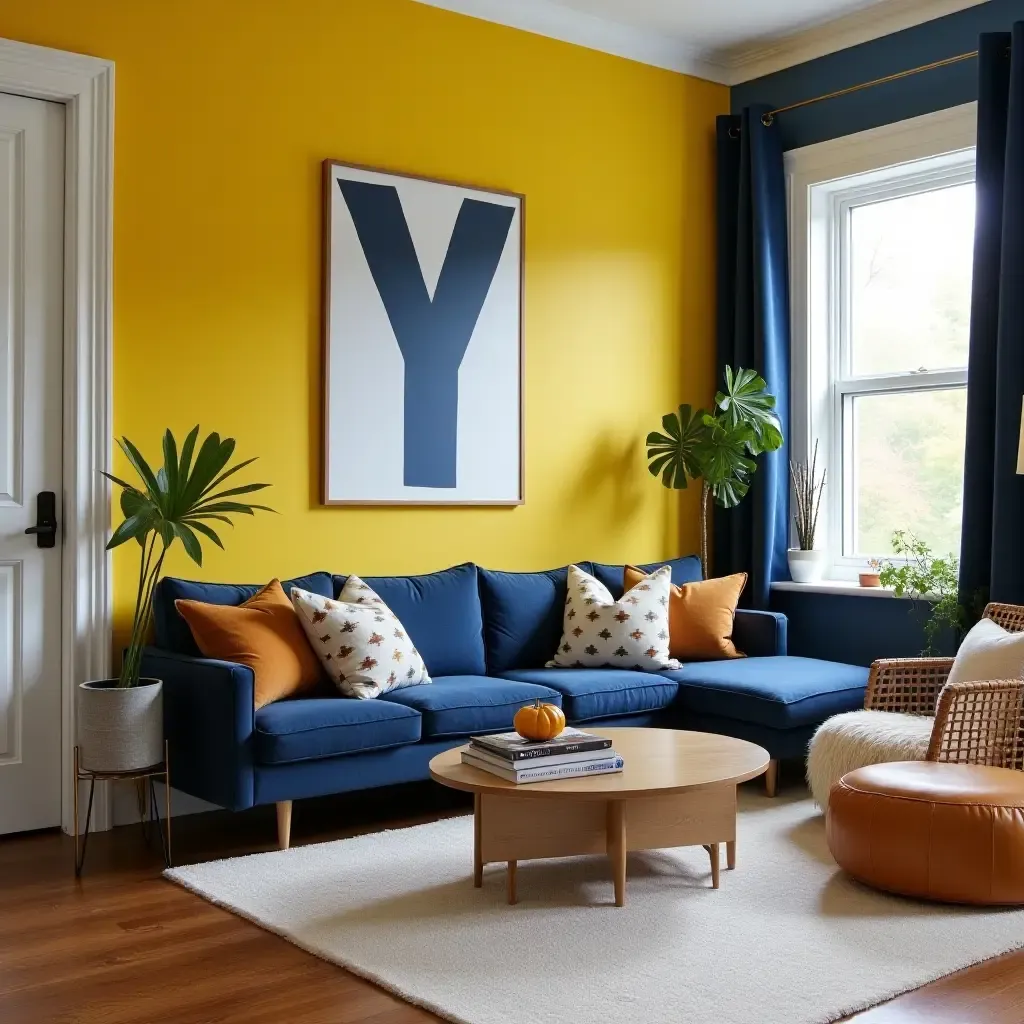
x,y
85,85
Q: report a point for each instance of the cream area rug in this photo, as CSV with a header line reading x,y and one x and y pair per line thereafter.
x,y
787,939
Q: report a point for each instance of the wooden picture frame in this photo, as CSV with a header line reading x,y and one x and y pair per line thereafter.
x,y
459,436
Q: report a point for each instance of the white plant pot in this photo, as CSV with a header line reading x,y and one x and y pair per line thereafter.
x,y
120,729
806,566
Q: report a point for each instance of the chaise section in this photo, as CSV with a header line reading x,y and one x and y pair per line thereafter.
x,y
461,706
313,728
208,721
779,693
592,693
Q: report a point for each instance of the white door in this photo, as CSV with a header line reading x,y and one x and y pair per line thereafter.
x,y
31,332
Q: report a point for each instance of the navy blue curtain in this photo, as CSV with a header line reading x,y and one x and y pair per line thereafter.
x,y
992,545
753,331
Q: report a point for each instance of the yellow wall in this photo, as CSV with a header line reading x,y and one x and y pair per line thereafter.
x,y
225,110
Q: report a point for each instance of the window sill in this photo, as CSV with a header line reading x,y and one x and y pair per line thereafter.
x,y
845,587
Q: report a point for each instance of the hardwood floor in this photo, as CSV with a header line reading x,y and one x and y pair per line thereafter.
x,y
125,947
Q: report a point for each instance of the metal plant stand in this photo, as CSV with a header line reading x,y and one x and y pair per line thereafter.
x,y
149,810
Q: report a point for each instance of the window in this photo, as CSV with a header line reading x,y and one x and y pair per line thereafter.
x,y
882,232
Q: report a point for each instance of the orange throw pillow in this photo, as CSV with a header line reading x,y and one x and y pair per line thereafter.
x,y
264,633
700,615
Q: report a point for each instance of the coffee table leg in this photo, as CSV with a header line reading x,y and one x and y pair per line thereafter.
x,y
730,854
512,865
712,849
617,847
478,864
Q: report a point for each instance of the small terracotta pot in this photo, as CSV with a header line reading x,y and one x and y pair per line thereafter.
x,y
870,579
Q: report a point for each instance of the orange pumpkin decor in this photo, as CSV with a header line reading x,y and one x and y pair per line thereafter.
x,y
539,721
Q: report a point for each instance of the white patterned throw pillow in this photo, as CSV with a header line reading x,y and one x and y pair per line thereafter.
x,y
629,633
359,641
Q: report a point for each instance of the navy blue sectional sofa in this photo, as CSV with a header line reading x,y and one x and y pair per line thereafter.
x,y
485,637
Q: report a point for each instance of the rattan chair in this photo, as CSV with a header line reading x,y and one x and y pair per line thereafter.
x,y
975,723
971,722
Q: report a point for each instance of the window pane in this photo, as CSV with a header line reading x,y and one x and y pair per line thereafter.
x,y
910,264
908,469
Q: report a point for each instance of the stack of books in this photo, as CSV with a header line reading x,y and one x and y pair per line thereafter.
x,y
570,754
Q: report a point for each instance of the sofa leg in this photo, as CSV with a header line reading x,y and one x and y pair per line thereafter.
x,y
284,824
771,777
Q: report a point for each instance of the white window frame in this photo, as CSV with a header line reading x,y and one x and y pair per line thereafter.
x,y
825,182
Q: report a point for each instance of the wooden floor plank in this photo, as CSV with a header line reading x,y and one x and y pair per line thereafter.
x,y
122,946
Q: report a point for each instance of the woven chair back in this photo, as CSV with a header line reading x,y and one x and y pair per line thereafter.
x,y
1009,616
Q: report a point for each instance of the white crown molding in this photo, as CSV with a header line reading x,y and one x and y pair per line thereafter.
x,y
728,67
551,19
882,18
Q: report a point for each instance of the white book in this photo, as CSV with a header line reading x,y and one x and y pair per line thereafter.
x,y
605,766
539,762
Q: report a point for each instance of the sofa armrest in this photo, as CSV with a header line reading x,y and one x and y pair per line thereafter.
x,y
759,634
209,720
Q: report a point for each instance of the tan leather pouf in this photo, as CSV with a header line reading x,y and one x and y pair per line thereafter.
x,y
950,832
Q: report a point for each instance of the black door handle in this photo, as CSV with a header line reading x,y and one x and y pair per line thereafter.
x,y
45,529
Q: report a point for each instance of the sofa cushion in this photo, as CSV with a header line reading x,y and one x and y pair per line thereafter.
x,y
465,705
700,615
364,649
589,693
631,633
172,632
306,729
523,616
779,692
263,634
684,570
441,612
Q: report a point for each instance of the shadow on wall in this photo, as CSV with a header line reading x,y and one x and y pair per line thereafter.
x,y
607,489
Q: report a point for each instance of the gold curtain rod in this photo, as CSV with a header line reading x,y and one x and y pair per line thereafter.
x,y
768,119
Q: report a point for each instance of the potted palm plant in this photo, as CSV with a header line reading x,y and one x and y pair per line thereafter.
x,y
120,721
718,448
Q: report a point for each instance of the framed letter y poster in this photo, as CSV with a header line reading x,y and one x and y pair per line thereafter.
x,y
423,327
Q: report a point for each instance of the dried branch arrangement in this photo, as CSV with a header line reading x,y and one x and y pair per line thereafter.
x,y
807,491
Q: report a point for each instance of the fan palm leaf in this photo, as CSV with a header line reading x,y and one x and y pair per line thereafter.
x,y
720,447
174,502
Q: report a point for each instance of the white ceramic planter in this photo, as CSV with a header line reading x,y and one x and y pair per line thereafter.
x,y
806,566
120,729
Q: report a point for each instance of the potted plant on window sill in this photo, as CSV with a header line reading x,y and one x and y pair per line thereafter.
x,y
120,721
806,563
871,576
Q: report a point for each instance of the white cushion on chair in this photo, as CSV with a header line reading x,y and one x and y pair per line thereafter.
x,y
988,652
859,738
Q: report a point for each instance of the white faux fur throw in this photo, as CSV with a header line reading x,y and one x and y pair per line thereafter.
x,y
859,738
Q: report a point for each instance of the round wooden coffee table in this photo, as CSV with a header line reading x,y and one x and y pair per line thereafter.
x,y
677,789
